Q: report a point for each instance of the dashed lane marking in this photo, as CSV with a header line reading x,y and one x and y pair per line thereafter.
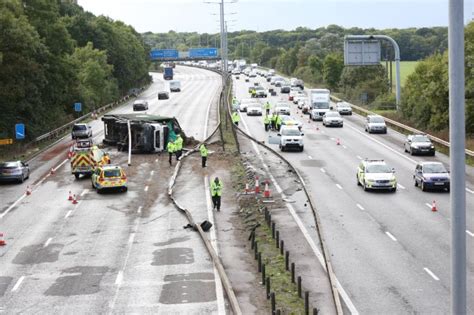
x,y
339,186
68,214
85,191
131,238
119,278
431,274
391,236
47,242
344,146
146,188
359,157
152,172
428,205
470,191
400,186
18,283
310,157
470,233
323,170
139,210
360,207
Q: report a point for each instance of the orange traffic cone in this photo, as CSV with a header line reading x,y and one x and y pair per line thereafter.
x,y
52,170
338,142
70,196
433,206
74,200
28,190
266,192
257,185
2,240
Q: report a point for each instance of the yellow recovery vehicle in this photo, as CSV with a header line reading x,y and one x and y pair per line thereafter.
x,y
85,157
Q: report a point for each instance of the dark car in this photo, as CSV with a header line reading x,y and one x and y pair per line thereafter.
x,y
419,144
140,105
163,95
431,175
14,171
81,131
285,89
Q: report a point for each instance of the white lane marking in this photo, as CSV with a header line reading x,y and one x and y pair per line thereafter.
x,y
323,170
470,233
400,186
85,191
339,186
333,139
47,242
146,188
428,205
68,214
431,274
119,279
303,229
370,216
33,189
310,157
210,215
156,160
152,172
139,210
360,207
344,146
131,238
470,191
359,157
18,283
391,236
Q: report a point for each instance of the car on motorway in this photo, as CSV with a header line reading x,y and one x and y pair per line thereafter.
x,y
290,121
109,177
163,95
253,74
139,105
300,100
282,108
332,118
280,82
291,138
81,131
285,88
419,144
431,175
254,109
175,86
260,91
236,72
14,171
375,174
244,103
375,123
274,78
344,108
293,93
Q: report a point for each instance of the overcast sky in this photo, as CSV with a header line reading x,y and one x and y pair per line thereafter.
x,y
261,15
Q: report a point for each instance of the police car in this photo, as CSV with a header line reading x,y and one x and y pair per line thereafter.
x,y
375,174
109,177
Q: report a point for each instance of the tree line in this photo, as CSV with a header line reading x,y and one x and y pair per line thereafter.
x,y
54,54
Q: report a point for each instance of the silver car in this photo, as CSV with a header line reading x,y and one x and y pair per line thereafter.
x,y
332,118
375,123
14,171
81,131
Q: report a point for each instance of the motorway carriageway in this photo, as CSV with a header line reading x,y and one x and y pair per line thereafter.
x,y
389,251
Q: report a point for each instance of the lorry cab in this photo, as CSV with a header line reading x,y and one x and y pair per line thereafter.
x,y
320,102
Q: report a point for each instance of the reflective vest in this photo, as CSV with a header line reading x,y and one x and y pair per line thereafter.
x,y
278,120
266,120
178,143
171,147
203,150
216,188
274,118
235,117
267,105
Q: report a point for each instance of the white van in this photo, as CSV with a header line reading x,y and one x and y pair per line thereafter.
x,y
175,86
291,138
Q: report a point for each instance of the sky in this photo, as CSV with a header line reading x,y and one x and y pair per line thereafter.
x,y
159,16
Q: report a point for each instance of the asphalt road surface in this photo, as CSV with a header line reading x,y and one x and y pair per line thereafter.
x,y
111,253
390,252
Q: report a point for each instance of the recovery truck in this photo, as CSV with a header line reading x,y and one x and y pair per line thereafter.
x,y
150,133
85,157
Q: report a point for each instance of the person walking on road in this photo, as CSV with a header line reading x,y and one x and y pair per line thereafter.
x,y
171,148
266,122
204,153
235,118
216,193
274,119
178,147
278,122
268,106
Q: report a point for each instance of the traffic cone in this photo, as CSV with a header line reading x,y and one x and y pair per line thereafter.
x,y
28,190
257,185
338,142
2,240
266,192
70,196
74,200
247,189
433,206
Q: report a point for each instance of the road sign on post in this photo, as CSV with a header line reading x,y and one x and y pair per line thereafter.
x,y
78,107
361,52
20,131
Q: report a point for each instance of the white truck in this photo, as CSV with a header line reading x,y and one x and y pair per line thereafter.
x,y
320,103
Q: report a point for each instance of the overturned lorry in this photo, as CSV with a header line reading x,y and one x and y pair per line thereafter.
x,y
149,133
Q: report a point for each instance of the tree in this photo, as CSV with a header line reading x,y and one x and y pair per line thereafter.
x,y
332,69
371,80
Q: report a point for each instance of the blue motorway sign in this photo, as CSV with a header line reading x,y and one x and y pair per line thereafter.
x,y
163,53
77,107
202,52
20,131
